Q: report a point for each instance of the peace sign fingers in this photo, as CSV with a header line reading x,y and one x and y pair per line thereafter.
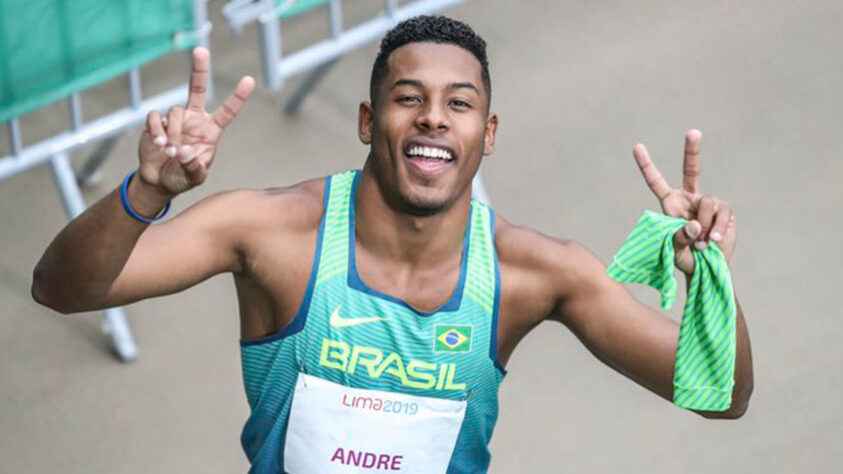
x,y
652,176
199,79
709,218
228,110
691,165
181,149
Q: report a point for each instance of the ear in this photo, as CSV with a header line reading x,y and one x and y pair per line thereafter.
x,y
489,134
365,118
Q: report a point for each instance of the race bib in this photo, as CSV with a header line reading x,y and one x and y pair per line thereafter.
x,y
338,429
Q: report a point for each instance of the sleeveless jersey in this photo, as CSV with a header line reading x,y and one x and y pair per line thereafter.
x,y
450,353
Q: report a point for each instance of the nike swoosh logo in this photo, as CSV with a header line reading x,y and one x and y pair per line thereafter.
x,y
338,321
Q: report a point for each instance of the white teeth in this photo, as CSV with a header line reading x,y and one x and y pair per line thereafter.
x,y
429,152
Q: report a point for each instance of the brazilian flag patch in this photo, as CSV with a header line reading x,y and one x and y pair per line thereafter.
x,y
452,338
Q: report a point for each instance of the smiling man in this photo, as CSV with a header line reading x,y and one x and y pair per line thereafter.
x,y
379,307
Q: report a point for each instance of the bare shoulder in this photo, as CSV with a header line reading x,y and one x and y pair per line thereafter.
x,y
538,272
531,251
241,224
295,207
244,213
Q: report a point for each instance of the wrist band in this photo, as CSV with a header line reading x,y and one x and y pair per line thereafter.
x,y
124,198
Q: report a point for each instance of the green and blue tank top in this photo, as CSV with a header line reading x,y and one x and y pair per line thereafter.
x,y
449,353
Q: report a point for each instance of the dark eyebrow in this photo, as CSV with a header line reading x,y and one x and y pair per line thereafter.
x,y
407,82
418,84
463,85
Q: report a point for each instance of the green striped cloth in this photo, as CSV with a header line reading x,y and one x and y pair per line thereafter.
x,y
705,356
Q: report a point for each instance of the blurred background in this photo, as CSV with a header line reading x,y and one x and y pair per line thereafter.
x,y
576,85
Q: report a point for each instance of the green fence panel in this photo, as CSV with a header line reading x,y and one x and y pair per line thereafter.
x,y
288,8
50,49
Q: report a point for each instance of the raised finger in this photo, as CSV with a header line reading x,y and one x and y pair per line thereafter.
x,y
705,215
691,167
721,221
232,105
156,128
199,79
651,174
174,121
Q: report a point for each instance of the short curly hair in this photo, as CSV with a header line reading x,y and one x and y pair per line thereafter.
x,y
431,29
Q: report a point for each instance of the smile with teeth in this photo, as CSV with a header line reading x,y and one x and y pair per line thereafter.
x,y
429,152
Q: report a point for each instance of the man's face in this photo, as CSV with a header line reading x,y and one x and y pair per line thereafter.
x,y
429,128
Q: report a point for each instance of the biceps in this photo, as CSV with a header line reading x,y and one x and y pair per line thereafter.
x,y
608,315
170,258
629,336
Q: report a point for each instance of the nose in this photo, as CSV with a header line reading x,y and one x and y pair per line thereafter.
x,y
433,117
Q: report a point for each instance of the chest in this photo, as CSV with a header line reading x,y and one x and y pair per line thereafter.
x,y
276,285
357,372
361,338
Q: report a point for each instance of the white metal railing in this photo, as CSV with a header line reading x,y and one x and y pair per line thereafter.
x,y
56,150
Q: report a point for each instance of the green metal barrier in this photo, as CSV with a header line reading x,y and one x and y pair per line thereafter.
x,y
50,49
289,8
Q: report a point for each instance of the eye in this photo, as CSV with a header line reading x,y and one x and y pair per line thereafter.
x,y
461,104
409,99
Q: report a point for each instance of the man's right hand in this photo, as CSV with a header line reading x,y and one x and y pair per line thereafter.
x,y
176,151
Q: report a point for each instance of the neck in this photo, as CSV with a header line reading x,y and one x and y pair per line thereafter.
x,y
420,241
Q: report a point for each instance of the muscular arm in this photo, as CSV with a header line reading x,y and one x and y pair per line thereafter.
x,y
632,338
629,336
567,283
105,258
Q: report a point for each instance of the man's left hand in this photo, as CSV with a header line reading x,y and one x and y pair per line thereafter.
x,y
709,218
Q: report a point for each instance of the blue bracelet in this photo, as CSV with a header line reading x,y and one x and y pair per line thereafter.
x,y
124,197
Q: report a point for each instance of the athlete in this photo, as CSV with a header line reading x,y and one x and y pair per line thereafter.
x,y
379,307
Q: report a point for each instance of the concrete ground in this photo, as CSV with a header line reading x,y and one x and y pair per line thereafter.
x,y
576,84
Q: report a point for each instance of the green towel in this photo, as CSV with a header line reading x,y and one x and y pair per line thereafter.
x,y
705,356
